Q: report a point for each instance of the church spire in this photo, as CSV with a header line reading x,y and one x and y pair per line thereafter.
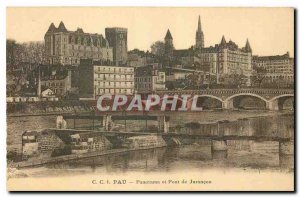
x,y
199,35
199,24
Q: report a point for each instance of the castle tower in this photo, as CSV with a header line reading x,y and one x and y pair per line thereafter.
x,y
169,38
117,39
199,36
169,47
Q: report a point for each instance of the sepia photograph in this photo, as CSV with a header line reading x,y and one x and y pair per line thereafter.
x,y
150,99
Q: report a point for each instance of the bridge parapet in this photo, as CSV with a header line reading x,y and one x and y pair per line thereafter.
x,y
229,91
225,93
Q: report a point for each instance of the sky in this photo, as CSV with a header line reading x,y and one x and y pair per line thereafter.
x,y
270,30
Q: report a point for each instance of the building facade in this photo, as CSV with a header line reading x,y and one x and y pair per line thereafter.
x,y
56,78
149,78
225,60
232,59
103,78
68,47
117,39
59,85
277,69
206,60
137,58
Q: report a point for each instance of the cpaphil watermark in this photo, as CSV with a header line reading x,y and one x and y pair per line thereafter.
x,y
119,102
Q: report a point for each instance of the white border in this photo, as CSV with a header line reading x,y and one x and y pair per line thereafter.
x,y
152,3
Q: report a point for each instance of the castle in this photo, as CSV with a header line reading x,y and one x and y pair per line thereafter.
x,y
68,47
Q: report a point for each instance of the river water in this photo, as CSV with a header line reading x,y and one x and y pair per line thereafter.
x,y
241,154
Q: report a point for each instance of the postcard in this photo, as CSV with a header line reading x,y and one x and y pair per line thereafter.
x,y
150,99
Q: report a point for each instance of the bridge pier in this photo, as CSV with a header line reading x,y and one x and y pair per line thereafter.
x,y
163,123
219,149
227,104
286,148
107,122
286,154
219,145
273,105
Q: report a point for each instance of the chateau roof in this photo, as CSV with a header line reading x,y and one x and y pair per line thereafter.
x,y
51,28
116,29
210,49
61,27
223,41
79,30
248,47
274,57
230,45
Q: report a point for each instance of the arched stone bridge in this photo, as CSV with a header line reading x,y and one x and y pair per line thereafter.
x,y
273,98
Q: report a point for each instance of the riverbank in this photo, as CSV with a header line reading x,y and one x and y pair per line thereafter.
x,y
37,161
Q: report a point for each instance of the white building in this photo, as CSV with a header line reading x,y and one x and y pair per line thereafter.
x,y
97,78
113,80
276,67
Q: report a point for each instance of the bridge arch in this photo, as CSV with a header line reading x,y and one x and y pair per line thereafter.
x,y
277,102
231,101
168,106
281,96
206,101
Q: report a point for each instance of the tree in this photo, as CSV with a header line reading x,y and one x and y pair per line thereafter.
x,y
158,48
259,75
234,80
34,52
14,53
193,81
29,52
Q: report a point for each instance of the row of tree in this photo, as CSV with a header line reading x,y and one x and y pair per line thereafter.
x,y
29,52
